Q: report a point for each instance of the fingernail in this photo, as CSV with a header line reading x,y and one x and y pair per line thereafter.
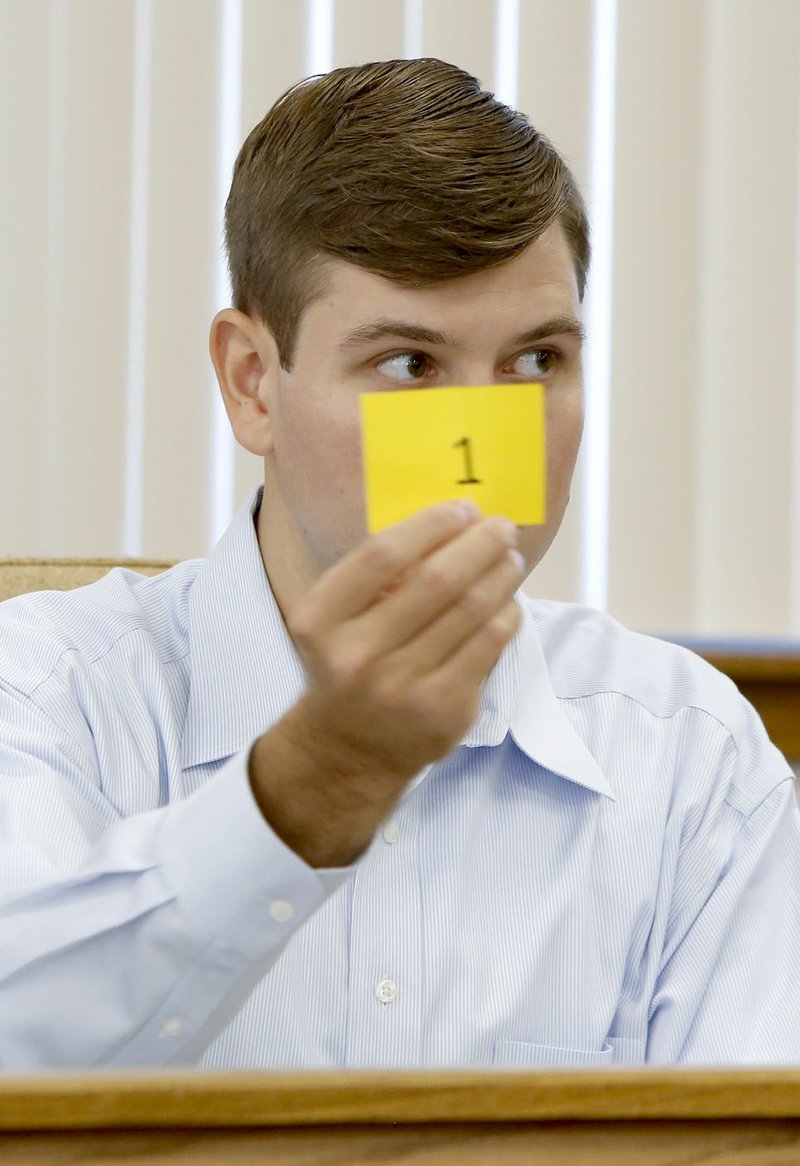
x,y
522,566
468,506
510,531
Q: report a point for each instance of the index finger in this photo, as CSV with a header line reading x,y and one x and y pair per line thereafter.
x,y
356,581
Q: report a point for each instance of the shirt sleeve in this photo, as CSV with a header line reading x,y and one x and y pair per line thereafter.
x,y
728,991
140,954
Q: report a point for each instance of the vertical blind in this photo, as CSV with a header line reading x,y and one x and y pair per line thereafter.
x,y
119,123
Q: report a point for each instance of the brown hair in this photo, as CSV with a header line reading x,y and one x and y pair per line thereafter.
x,y
406,168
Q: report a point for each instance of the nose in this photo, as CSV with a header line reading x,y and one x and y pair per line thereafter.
x,y
474,374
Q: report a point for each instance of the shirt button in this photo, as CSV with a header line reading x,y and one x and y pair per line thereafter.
x,y
386,991
281,911
173,1027
391,831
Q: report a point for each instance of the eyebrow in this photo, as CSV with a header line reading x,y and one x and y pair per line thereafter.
x,y
419,334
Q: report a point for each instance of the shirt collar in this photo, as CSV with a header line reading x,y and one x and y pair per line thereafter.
x,y
245,671
518,698
538,722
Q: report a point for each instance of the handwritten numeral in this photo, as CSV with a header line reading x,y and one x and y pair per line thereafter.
x,y
469,478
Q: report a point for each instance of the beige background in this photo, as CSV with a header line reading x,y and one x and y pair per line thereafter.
x,y
118,122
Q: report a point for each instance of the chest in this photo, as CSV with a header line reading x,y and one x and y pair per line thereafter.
x,y
492,921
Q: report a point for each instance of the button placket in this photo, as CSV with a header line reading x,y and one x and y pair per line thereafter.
x,y
384,998
386,991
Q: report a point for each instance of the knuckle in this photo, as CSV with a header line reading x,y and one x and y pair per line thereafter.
x,y
502,626
501,532
434,578
515,616
381,555
475,604
495,635
304,623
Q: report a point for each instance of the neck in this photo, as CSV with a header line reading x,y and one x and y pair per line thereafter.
x,y
290,568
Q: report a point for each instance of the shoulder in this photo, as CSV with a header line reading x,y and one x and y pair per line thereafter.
x,y
39,629
589,652
659,697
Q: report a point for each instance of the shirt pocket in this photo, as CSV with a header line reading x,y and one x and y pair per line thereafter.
x,y
518,1054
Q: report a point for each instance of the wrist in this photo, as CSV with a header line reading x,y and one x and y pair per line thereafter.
x,y
323,798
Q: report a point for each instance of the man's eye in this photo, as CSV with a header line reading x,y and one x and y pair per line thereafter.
x,y
405,366
536,363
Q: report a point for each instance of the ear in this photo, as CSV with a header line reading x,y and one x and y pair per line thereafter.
x,y
246,362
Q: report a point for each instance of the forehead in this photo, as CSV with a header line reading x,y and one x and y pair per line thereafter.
x,y
538,283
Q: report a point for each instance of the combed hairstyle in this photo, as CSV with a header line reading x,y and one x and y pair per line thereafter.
x,y
405,168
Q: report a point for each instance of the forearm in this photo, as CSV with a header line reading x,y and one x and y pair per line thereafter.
x,y
142,955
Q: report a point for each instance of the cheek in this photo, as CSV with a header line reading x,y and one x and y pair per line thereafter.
x,y
564,430
322,434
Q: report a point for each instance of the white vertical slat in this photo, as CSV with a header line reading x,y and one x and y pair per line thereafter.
x,y
412,28
595,475
506,51
747,315
655,382
555,42
319,36
794,500
222,501
25,34
137,281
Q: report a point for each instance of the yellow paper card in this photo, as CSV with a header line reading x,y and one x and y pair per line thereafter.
x,y
422,446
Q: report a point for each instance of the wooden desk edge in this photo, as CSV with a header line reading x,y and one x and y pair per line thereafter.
x,y
209,1100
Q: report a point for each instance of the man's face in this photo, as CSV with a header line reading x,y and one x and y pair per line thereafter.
x,y
514,323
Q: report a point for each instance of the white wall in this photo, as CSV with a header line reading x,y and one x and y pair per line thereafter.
x,y
119,121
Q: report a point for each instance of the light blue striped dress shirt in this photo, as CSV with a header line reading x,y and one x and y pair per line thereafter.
x,y
607,870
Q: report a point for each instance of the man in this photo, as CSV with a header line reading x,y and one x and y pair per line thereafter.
x,y
335,800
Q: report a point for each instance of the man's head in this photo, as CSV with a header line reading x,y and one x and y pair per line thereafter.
x,y
404,168
391,226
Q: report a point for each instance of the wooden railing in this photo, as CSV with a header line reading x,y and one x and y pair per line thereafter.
x,y
606,1118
